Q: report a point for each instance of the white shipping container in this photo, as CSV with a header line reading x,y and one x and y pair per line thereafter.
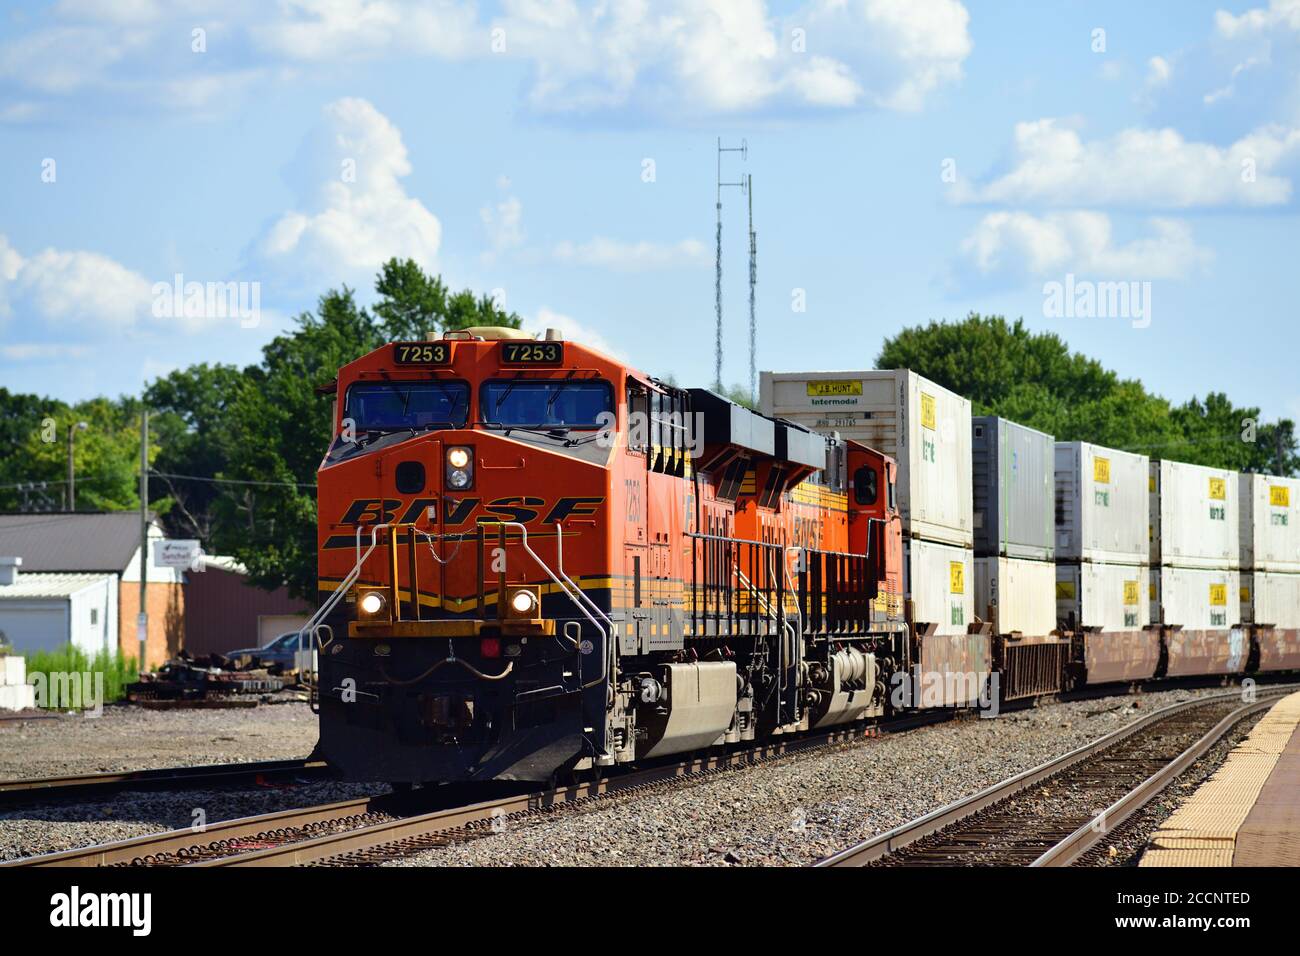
x,y
940,584
1270,523
1112,597
923,425
1194,520
1102,504
1196,599
1268,597
1020,592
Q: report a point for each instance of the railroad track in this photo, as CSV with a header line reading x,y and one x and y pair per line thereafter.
x,y
1053,814
80,786
372,830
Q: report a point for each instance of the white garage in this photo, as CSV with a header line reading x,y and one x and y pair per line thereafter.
x,y
44,612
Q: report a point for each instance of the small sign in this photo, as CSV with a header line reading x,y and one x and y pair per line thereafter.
x,y
832,388
1101,470
1218,595
176,553
586,647
1279,496
927,411
1218,489
1131,593
956,577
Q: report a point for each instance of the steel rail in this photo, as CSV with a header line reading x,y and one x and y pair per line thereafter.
x,y
1069,850
900,837
139,849
41,789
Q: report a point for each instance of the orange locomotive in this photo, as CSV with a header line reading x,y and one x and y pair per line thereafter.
x,y
535,559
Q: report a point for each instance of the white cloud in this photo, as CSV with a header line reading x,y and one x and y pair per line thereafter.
x,y
358,214
703,56
1158,71
632,256
85,292
670,58
1144,168
504,223
572,330
40,351
1021,244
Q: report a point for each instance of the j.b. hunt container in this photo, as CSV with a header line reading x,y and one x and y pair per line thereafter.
x,y
1269,523
1102,504
923,425
1108,607
1013,478
954,659
1199,613
1015,595
1270,603
1193,521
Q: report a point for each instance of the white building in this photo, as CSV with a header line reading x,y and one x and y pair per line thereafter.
x,y
44,611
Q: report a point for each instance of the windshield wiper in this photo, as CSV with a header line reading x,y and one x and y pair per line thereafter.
x,y
509,388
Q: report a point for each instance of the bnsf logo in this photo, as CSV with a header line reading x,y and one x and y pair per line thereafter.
x,y
457,511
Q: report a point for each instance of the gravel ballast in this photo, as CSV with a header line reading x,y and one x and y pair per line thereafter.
x,y
132,738
799,809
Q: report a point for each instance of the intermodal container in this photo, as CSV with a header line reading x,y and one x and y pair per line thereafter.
x,y
1268,597
1102,504
923,425
1270,523
1016,595
1013,477
1194,521
1195,599
1109,597
940,584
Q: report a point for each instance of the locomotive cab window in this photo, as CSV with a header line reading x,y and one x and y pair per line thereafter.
x,y
865,490
547,403
394,405
638,415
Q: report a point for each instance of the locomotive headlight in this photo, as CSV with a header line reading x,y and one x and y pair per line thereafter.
x,y
460,468
524,603
371,603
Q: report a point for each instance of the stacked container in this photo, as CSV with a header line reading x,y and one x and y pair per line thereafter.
x,y
1013,481
1195,569
927,429
1102,560
1269,511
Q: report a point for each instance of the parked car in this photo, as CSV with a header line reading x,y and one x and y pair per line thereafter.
x,y
279,653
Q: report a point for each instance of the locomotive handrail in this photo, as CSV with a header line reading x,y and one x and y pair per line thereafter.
x,y
313,624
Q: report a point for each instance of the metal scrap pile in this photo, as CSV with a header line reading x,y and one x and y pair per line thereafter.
x,y
208,681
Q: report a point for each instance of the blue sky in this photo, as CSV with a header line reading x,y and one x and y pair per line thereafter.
x,y
911,160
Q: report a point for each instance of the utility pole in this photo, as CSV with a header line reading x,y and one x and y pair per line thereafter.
x,y
142,620
743,149
72,476
753,281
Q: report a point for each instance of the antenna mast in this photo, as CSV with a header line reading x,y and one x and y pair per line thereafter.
x,y
743,149
753,281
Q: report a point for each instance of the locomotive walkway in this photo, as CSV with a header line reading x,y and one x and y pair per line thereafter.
x,y
1248,813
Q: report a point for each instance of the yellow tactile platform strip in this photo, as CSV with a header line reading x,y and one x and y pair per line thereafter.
x,y
1248,812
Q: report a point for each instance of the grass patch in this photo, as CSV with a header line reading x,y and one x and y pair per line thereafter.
x,y
118,671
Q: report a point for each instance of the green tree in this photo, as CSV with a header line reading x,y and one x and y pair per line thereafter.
x,y
413,304
1034,379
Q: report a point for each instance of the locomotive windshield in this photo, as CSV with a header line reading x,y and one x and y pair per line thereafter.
x,y
546,403
380,406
